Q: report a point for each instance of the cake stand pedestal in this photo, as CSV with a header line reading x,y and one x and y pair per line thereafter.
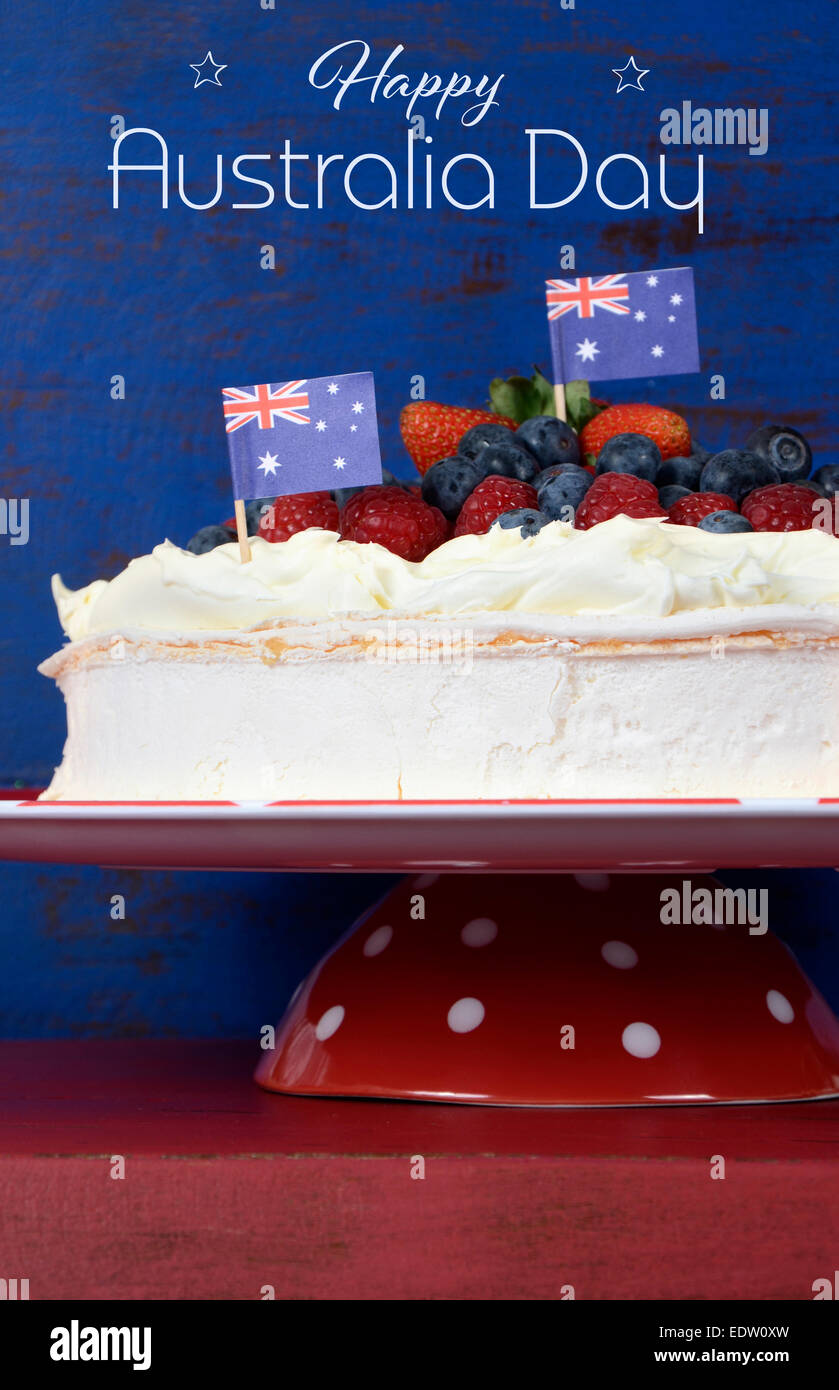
x,y
563,990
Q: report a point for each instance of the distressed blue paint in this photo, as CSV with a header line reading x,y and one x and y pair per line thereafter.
x,y
177,304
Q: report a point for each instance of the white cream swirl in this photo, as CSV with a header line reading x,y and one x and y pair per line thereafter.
x,y
623,567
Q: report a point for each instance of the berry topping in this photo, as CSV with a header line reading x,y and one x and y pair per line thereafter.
x,y
737,472
630,453
394,518
488,432
614,493
785,449
211,536
447,484
432,431
671,493
723,522
509,458
827,478
298,512
550,440
689,511
562,489
681,472
496,494
666,429
523,519
783,507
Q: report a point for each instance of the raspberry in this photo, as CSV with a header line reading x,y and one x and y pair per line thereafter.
x,y
394,518
617,493
297,512
780,507
489,500
689,511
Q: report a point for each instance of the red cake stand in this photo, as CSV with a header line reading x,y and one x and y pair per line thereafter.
x,y
561,990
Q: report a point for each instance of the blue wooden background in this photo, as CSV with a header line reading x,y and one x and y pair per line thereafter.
x,y
176,303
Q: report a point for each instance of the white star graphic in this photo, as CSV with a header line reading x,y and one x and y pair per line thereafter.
x,y
332,389
675,299
652,280
320,426
671,318
633,75
657,351
212,76
640,316
340,463
268,463
587,351
357,408
353,429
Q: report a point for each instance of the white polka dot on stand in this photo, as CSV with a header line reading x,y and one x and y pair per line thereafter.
x,y
619,954
377,941
329,1022
640,1040
479,932
425,881
465,1015
595,883
779,1006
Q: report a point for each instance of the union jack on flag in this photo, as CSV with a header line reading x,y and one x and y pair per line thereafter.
x,y
586,295
339,449
263,404
647,327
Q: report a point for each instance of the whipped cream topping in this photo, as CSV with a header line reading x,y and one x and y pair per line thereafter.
x,y
624,567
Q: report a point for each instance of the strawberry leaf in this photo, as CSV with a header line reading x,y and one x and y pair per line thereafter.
x,y
579,406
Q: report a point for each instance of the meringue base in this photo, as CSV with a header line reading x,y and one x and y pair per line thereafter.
x,y
382,710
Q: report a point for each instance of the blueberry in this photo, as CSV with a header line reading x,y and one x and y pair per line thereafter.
x,y
254,511
698,452
684,472
477,438
447,484
630,453
737,472
550,440
828,477
815,485
785,448
671,493
525,519
724,521
508,458
565,488
208,538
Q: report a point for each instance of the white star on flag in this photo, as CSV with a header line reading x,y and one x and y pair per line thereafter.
x,y
587,351
332,389
657,351
268,464
340,463
652,280
671,318
353,429
357,408
675,299
320,426
640,316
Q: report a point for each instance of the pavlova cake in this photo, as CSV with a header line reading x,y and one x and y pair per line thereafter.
x,y
536,619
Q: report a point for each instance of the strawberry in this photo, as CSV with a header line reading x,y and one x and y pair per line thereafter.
x,y
432,431
668,430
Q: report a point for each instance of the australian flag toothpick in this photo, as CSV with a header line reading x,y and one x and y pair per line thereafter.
x,y
301,436
608,326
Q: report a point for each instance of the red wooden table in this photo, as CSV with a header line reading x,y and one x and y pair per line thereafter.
x,y
228,1189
